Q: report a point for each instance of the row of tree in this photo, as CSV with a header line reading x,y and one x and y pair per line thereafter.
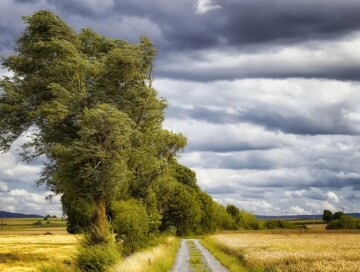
x,y
93,115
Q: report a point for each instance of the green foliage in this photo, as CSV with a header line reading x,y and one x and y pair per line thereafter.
x,y
279,224
79,211
327,216
223,219
97,117
242,219
184,175
208,220
344,222
337,215
183,211
131,224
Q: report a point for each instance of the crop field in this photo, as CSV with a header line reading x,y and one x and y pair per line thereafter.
x,y
295,252
25,253
32,226
50,253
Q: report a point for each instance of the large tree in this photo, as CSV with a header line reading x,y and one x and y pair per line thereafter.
x,y
90,105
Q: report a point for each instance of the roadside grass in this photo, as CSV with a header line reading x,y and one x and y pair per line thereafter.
x,y
231,260
159,258
288,252
197,262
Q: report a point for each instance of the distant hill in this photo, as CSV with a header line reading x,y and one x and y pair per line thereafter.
x,y
5,214
299,217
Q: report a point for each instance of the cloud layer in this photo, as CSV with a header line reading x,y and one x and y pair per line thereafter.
x,y
267,94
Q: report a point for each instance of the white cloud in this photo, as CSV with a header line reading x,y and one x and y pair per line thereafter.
x,y
3,187
204,6
296,210
333,197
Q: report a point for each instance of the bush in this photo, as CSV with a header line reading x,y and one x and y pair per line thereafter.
x,y
97,258
37,223
131,224
279,224
345,222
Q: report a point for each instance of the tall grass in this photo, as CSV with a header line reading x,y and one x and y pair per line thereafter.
x,y
155,259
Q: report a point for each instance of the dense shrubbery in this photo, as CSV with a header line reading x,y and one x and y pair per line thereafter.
x,y
339,220
344,222
279,224
131,224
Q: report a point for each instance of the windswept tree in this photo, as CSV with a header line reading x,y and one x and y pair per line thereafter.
x,y
93,111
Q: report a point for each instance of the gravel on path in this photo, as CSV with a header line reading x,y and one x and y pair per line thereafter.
x,y
182,258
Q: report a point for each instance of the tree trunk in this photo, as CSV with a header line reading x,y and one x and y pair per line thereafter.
x,y
100,230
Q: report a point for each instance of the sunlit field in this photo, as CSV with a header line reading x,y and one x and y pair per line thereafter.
x,y
56,253
295,252
32,226
20,253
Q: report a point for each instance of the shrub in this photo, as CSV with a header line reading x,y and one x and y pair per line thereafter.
x,y
345,222
37,223
327,216
279,224
131,224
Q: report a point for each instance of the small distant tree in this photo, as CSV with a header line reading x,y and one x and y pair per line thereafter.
x,y
338,215
344,222
327,216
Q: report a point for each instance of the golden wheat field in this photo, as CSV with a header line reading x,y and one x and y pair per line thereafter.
x,y
294,252
30,253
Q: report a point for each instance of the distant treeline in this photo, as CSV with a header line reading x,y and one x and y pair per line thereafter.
x,y
5,214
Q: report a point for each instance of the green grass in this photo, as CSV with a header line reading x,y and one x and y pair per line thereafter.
x,y
230,260
197,262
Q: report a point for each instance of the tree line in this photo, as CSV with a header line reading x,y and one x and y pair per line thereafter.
x,y
88,108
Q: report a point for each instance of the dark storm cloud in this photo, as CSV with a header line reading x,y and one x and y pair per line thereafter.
x,y
322,120
235,23
273,70
176,26
280,20
353,197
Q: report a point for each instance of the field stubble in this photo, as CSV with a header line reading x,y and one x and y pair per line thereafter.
x,y
303,252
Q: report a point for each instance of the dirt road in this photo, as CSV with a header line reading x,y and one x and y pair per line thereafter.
x,y
193,257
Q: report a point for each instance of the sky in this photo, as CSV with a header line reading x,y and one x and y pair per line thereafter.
x,y
267,93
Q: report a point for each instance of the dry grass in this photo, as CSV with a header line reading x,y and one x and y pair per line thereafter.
x,y
23,253
157,259
310,252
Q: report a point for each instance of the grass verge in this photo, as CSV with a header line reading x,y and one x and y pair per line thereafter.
x,y
159,258
230,259
197,262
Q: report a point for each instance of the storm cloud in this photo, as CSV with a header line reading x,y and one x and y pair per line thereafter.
x,y
266,91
